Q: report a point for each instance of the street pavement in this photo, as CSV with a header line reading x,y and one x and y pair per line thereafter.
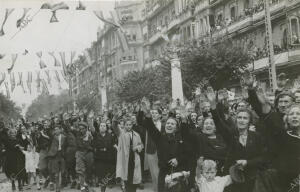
x,y
5,186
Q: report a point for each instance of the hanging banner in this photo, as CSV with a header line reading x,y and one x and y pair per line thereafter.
x,y
48,77
120,32
56,61
57,78
45,90
12,82
7,90
99,15
38,81
80,6
41,62
13,62
29,81
63,61
20,78
65,77
7,13
2,79
22,19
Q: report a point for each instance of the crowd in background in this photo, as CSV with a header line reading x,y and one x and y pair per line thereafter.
x,y
251,144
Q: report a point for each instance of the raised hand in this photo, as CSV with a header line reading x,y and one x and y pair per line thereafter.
x,y
211,96
145,106
248,79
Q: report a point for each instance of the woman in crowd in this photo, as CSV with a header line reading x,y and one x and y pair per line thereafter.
x,y
128,158
14,166
246,149
170,146
104,150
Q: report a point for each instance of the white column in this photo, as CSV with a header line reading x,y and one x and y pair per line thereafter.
x,y
177,91
103,98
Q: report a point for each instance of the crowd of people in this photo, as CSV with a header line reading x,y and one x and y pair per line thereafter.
x,y
252,144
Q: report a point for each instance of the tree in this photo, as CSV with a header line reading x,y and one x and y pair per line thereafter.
x,y
45,104
151,82
218,64
8,109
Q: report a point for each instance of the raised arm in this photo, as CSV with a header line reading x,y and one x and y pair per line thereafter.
x,y
148,122
221,126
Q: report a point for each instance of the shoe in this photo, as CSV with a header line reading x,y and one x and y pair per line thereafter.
x,y
47,181
51,186
20,188
13,187
78,186
73,185
140,186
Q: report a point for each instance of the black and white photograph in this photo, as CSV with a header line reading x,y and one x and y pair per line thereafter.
x,y
150,95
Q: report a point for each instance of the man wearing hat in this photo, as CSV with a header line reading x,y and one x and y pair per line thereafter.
x,y
84,155
56,152
70,151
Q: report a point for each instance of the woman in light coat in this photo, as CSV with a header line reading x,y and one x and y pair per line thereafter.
x,y
128,158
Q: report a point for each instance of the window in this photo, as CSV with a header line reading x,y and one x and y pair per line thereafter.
x,y
134,37
246,4
232,13
294,26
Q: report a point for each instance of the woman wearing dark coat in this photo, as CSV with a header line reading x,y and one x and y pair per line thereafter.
x,y
14,166
245,149
104,155
171,149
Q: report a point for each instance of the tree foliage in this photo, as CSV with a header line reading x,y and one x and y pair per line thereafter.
x,y
45,104
8,109
217,63
152,83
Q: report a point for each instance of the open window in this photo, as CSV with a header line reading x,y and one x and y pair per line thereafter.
x,y
294,30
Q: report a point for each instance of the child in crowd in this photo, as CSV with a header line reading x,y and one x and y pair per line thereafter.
x,y
31,164
206,179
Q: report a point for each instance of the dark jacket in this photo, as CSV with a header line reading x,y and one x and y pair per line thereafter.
x,y
104,148
254,151
53,149
168,146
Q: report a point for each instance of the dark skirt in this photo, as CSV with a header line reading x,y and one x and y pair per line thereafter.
x,y
104,170
14,165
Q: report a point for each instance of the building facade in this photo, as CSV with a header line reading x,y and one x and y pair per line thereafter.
x,y
150,24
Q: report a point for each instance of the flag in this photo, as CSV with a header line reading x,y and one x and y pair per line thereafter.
x,y
12,82
7,13
56,61
14,59
57,78
21,20
2,78
20,78
45,90
41,62
99,15
7,90
65,77
48,77
63,61
38,81
80,6
120,32
29,81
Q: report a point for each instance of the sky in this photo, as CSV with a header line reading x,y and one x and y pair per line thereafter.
x,y
75,31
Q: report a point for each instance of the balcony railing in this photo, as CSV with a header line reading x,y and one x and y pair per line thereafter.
x,y
279,59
